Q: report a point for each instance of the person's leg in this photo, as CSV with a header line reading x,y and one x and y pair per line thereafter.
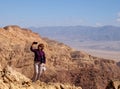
x,y
41,69
36,71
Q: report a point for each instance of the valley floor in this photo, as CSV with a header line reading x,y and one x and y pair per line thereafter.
x,y
102,49
114,55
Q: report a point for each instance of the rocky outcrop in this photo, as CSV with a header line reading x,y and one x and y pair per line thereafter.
x,y
10,79
64,64
113,84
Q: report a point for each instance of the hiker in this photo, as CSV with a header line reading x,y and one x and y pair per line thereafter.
x,y
39,60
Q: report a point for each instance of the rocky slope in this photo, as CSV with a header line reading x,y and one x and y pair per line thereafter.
x,y
10,79
64,64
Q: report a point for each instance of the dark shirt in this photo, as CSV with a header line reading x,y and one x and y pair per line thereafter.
x,y
39,55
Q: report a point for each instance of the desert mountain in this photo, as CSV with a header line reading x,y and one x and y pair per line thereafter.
x,y
64,64
81,33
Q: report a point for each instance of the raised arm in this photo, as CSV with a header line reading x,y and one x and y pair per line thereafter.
x,y
31,48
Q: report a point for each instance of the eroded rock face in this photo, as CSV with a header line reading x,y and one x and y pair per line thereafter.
x,y
64,64
15,47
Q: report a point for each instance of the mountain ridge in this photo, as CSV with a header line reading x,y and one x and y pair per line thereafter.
x,y
103,33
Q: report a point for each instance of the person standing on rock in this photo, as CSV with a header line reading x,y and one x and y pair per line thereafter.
x,y
39,60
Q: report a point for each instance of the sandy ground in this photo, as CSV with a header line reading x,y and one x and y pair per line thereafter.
x,y
107,50
114,55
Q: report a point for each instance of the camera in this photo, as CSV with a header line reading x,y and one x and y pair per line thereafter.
x,y
35,42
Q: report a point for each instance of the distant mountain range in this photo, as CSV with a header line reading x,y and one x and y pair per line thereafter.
x,y
105,38
80,33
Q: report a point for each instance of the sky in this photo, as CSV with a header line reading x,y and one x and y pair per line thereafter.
x,y
39,13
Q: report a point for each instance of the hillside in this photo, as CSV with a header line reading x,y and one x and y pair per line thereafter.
x,y
11,79
64,64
